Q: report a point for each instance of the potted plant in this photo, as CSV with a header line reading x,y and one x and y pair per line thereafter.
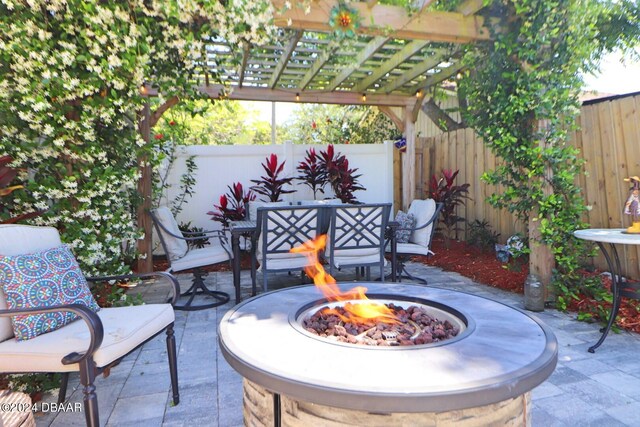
x,y
231,206
451,196
311,169
272,185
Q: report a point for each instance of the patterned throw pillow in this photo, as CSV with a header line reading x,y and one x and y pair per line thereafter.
x,y
43,279
406,221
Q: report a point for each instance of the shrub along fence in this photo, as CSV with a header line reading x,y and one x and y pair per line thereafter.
x,y
609,140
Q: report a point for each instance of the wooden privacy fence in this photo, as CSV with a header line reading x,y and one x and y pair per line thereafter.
x,y
609,141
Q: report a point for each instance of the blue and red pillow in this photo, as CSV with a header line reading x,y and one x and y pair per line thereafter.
x,y
43,279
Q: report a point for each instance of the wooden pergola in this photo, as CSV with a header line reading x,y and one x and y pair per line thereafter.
x,y
394,60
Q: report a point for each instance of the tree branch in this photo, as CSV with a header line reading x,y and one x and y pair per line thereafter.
x,y
440,117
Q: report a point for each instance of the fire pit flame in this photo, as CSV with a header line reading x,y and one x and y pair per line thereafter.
x,y
360,313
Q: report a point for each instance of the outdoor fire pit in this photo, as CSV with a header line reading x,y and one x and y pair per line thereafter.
x,y
483,375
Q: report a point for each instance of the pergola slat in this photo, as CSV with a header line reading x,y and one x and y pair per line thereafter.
x,y
316,67
284,58
437,78
362,57
243,65
401,56
416,71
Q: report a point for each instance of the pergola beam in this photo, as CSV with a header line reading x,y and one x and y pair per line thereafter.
x,y
435,26
316,67
366,53
318,97
416,71
243,64
437,78
397,59
284,58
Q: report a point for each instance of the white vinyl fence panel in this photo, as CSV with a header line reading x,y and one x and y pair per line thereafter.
x,y
220,166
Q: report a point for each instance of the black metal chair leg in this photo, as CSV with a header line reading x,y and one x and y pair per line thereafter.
x,y
198,288
173,363
87,377
64,382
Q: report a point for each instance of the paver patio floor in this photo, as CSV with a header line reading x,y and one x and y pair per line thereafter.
x,y
601,389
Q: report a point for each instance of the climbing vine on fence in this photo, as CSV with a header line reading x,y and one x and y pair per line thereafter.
x,y
522,89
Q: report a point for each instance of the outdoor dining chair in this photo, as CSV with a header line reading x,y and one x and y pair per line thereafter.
x,y
279,229
181,257
426,214
357,237
43,295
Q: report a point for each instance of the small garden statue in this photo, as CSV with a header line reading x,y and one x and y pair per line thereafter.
x,y
632,206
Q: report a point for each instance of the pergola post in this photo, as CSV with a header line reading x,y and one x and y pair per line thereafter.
x,y
145,255
409,159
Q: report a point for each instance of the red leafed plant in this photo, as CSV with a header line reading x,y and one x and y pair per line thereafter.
x,y
444,191
271,185
231,206
335,171
311,172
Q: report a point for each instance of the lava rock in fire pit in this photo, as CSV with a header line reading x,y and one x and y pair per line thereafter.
x,y
412,326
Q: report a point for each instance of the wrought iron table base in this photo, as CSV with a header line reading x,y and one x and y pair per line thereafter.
x,y
614,268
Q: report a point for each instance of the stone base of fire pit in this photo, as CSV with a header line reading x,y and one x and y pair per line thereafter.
x,y
259,412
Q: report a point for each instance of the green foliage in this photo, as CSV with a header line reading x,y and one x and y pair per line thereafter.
x,y
335,124
70,99
193,231
481,235
33,384
523,99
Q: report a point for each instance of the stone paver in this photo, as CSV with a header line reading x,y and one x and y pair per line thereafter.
x,y
601,389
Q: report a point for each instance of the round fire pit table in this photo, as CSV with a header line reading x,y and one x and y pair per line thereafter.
x,y
291,377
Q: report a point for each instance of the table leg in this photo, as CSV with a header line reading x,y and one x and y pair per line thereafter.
x,y
614,269
394,256
235,247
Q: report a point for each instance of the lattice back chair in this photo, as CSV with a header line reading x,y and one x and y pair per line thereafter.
x,y
279,230
426,213
357,237
43,291
181,257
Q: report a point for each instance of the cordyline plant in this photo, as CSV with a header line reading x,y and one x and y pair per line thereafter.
x,y
444,191
271,185
336,172
311,172
232,205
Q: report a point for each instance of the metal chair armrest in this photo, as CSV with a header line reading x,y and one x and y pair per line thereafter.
x,y
175,286
92,320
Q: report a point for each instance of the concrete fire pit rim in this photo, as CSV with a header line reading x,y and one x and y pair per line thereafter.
x,y
495,389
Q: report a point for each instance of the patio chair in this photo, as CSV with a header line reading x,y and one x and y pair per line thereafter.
x,y
181,257
91,345
357,237
278,230
426,213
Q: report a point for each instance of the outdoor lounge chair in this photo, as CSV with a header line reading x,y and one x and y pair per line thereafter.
x,y
357,237
90,345
426,213
279,229
181,257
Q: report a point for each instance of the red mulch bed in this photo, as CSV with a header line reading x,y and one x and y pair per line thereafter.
x,y
483,267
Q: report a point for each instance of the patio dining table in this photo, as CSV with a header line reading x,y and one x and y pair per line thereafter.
x,y
240,228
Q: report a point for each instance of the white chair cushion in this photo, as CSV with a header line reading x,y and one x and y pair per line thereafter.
x,y
286,262
17,240
210,254
177,248
124,329
422,210
411,249
345,261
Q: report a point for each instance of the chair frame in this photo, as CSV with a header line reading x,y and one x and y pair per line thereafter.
x,y
262,228
197,286
87,367
401,258
358,225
